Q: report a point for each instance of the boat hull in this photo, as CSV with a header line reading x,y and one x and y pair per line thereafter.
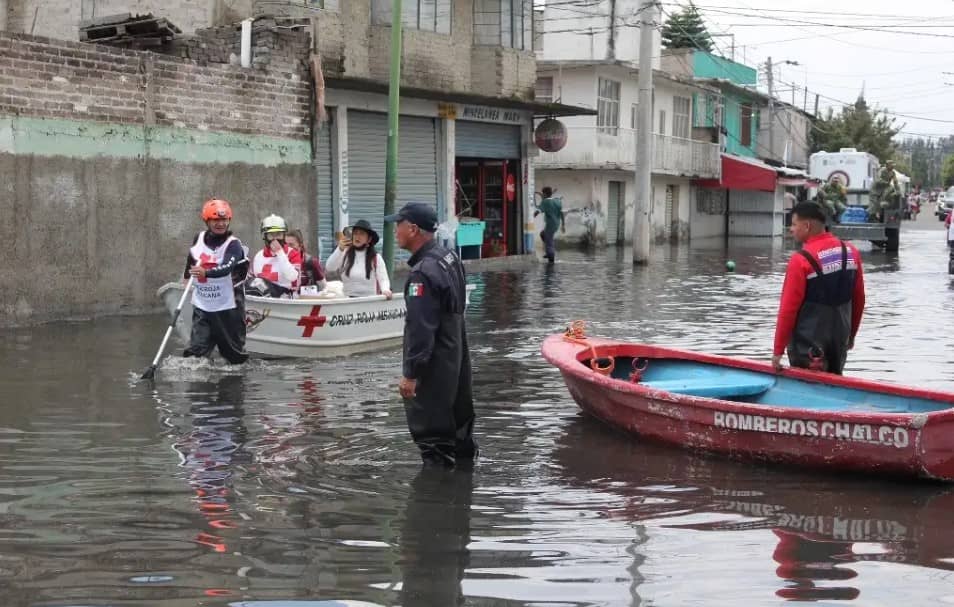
x,y
308,328
897,444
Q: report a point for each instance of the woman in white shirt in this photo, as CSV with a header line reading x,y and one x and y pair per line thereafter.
x,y
360,267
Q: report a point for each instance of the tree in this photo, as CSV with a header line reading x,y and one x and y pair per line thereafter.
x,y
856,126
686,29
947,172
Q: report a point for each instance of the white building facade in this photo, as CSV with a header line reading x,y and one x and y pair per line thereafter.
x,y
594,173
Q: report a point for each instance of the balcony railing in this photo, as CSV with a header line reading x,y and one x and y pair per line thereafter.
x,y
678,156
593,147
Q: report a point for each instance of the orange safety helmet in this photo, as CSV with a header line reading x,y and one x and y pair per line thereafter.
x,y
216,209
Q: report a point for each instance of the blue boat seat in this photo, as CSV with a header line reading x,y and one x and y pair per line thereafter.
x,y
714,386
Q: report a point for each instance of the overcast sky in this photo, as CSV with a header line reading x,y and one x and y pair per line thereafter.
x,y
902,69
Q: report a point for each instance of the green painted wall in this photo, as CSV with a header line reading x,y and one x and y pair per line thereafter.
x,y
124,200
77,139
706,65
733,126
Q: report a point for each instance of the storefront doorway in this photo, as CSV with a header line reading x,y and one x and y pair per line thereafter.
x,y
489,190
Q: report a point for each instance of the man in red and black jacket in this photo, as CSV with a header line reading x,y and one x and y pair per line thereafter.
x,y
823,297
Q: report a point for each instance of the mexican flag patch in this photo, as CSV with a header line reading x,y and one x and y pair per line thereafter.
x,y
415,289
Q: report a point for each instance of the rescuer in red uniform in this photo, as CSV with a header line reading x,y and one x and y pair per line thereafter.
x,y
823,296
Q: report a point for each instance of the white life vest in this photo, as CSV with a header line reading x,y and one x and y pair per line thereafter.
x,y
212,294
276,268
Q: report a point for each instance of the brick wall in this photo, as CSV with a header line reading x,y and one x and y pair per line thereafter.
x,y
77,159
49,78
503,72
276,46
350,46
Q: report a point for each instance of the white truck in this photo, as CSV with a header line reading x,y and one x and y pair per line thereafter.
x,y
858,171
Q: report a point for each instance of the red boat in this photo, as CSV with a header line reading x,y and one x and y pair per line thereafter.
x,y
744,409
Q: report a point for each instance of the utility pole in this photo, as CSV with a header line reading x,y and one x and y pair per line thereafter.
x,y
771,105
644,135
611,42
394,106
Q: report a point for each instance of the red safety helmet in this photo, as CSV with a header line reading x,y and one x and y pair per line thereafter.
x,y
216,209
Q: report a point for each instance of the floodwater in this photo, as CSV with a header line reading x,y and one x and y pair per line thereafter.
x,y
295,484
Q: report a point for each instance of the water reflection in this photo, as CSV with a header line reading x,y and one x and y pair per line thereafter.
x,y
211,450
295,482
809,564
822,523
434,537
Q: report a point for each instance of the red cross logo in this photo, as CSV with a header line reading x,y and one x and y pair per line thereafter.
x,y
206,261
315,319
268,274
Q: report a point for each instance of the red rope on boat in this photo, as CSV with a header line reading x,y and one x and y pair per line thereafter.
x,y
576,333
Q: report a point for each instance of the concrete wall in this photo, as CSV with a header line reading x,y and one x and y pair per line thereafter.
x,y
789,132
573,86
707,213
61,18
572,33
106,157
579,86
585,195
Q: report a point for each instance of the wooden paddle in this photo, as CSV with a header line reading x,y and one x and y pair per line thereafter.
x,y
151,371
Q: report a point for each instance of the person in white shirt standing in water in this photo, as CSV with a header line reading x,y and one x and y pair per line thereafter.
x,y
217,262
359,265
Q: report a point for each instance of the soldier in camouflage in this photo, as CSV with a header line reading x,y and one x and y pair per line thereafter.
x,y
834,198
886,192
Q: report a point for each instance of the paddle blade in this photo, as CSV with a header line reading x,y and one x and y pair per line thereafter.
x,y
149,373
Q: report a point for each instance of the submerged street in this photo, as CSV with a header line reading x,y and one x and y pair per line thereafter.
x,y
295,483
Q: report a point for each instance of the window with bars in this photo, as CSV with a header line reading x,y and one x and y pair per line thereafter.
x,y
680,117
543,92
607,106
425,15
507,23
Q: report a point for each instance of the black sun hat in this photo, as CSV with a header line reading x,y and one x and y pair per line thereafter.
x,y
364,224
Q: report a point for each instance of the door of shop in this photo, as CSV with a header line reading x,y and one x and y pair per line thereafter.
x,y
489,190
614,217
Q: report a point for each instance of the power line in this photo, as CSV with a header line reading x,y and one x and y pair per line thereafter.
x,y
802,22
810,12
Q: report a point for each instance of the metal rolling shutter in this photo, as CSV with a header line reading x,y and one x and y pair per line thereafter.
x,y
612,212
485,140
670,196
326,228
367,154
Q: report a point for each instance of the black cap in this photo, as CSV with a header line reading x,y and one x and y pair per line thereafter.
x,y
809,210
420,214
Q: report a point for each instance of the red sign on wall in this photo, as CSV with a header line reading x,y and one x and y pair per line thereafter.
x,y
511,188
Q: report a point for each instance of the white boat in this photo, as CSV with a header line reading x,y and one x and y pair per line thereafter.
x,y
308,327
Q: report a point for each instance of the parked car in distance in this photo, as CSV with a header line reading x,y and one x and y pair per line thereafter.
x,y
945,203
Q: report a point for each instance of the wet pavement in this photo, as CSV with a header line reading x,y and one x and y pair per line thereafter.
x,y
292,483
